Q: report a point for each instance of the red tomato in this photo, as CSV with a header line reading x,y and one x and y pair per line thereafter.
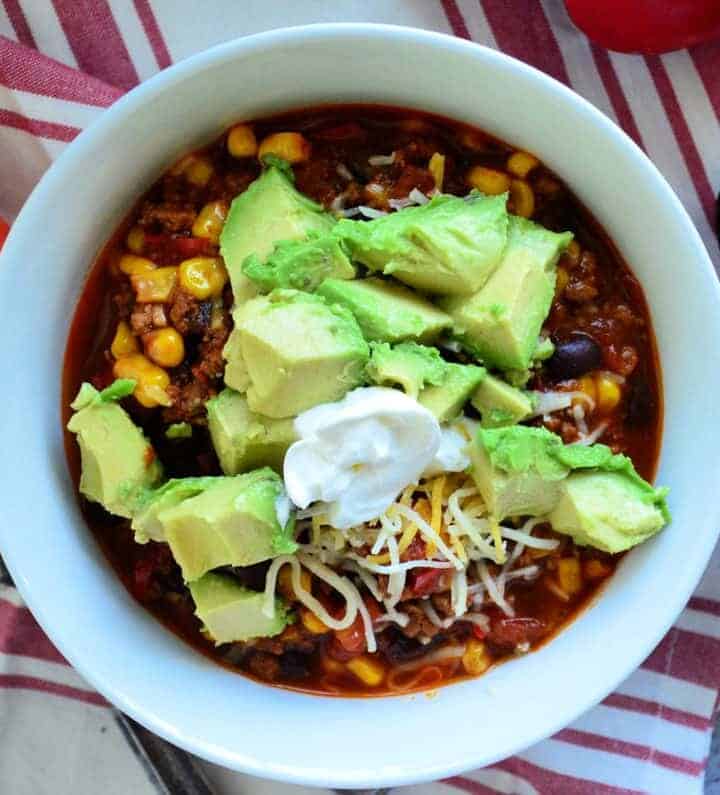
x,y
479,632
4,229
646,26
509,632
348,643
170,249
424,581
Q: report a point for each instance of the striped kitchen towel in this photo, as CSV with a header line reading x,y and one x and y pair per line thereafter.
x,y
61,64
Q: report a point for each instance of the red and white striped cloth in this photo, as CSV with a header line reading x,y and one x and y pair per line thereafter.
x,y
63,62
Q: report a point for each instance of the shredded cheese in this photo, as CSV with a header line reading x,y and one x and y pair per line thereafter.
x,y
382,160
429,535
493,591
459,593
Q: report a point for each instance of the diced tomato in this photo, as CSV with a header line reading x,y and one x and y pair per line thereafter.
x,y
348,643
4,229
171,249
478,632
510,632
373,608
424,581
416,550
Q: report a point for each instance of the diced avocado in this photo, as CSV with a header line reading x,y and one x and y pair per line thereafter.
x,y
587,492
515,472
233,522
608,510
292,350
146,522
229,612
500,323
449,246
446,399
501,404
118,464
408,365
270,210
179,430
386,311
244,440
300,264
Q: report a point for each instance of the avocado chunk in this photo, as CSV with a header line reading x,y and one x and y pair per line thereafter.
x,y
300,264
587,492
270,210
118,463
243,439
386,311
608,510
146,522
501,404
515,472
235,521
450,245
229,612
292,350
408,365
446,399
501,322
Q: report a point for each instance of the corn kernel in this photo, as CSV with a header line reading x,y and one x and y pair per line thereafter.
x,y
290,146
570,576
131,264
210,220
436,167
285,585
608,394
368,671
203,277
241,141
124,342
151,380
596,569
165,347
488,180
332,666
521,164
135,240
312,623
199,172
522,198
586,384
476,659
563,277
155,286
572,254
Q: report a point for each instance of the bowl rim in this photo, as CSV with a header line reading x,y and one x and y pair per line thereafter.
x,y
114,690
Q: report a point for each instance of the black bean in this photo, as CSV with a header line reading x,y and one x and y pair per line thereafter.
x,y
641,404
574,356
398,648
294,665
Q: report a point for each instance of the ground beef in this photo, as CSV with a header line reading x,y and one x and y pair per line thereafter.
x,y
294,638
419,623
169,217
188,402
188,314
583,283
264,666
123,299
141,319
212,364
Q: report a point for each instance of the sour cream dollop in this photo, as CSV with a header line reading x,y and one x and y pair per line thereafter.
x,y
358,454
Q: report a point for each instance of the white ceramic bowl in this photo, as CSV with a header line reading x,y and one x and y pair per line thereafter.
x,y
121,649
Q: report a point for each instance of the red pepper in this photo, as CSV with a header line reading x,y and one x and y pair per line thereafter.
x,y
646,26
424,581
4,229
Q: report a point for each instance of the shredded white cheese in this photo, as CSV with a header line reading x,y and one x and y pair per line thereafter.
x,y
493,591
382,160
418,196
344,172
